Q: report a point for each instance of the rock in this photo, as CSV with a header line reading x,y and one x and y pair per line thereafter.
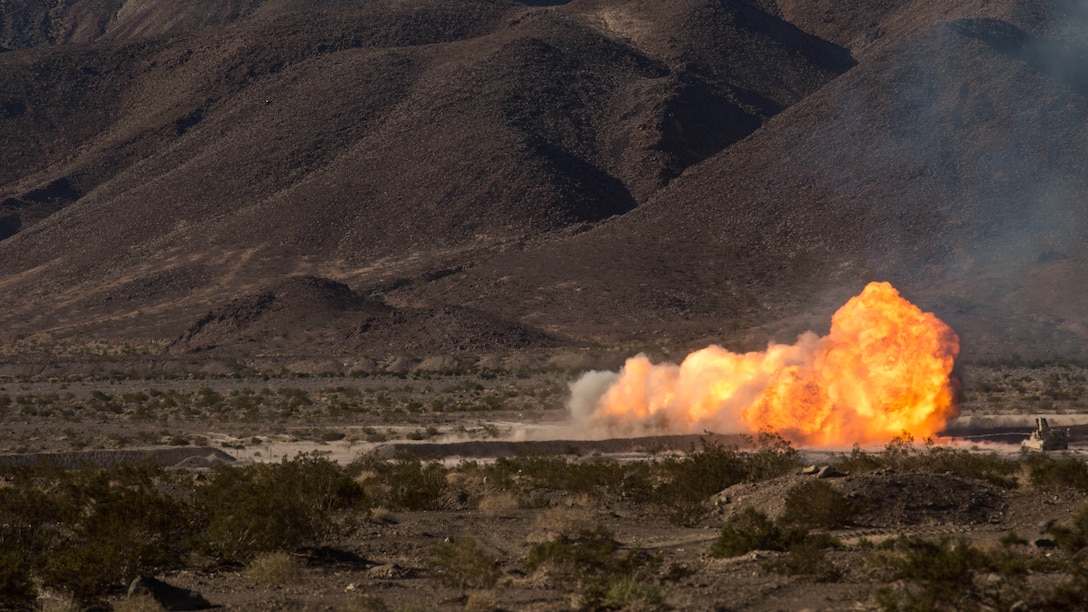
x,y
1044,543
809,470
169,596
1019,606
1045,526
828,472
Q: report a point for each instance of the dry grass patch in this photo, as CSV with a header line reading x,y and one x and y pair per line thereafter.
x,y
499,504
275,568
560,521
382,515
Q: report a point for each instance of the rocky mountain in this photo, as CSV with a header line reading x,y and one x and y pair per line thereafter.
x,y
467,176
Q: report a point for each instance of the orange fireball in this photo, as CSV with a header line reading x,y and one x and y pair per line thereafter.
x,y
884,369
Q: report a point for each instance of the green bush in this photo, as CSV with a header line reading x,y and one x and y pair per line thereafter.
x,y
751,529
808,558
692,479
17,590
858,461
277,506
1073,539
109,527
409,483
590,561
815,504
1048,473
903,454
941,575
88,533
630,593
463,565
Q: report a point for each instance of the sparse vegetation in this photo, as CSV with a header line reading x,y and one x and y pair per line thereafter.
x,y
593,562
904,454
236,518
1066,472
815,504
750,530
275,568
463,564
942,575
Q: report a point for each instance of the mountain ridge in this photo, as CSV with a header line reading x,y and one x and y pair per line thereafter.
x,y
597,172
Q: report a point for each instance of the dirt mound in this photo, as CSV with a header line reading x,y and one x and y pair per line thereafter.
x,y
890,499
885,499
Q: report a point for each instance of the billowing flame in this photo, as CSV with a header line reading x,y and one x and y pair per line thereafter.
x,y
884,369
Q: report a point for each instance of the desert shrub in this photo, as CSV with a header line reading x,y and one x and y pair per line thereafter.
x,y
111,527
408,482
968,464
277,506
751,529
380,514
557,473
940,575
1069,595
807,558
501,503
1048,473
293,398
275,568
464,564
1072,539
17,590
692,479
628,593
1011,538
815,504
858,461
591,561
902,454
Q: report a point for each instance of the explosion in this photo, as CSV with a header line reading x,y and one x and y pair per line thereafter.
x,y
884,369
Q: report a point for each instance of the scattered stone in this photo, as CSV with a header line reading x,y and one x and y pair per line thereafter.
x,y
169,596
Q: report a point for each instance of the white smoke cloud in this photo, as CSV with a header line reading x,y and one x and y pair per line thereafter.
x,y
587,391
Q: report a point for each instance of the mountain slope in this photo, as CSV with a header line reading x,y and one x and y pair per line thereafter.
x,y
357,140
951,164
600,171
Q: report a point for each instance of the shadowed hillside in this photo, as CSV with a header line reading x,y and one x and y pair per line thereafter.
x,y
482,175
